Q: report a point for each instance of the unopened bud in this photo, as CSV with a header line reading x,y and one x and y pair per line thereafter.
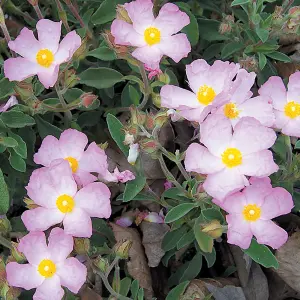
x,y
80,53
149,146
133,153
4,288
2,18
129,139
120,50
2,274
30,204
226,25
149,123
101,263
161,118
81,245
122,248
5,226
33,2
13,293
137,117
87,99
249,63
70,78
156,99
164,77
17,255
213,229
122,14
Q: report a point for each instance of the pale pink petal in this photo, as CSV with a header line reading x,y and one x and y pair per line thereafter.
x,y
239,232
94,199
278,202
70,43
250,136
260,164
175,97
48,151
292,127
72,274
10,102
83,178
198,159
195,114
18,69
123,176
141,14
78,223
24,276
234,204
26,45
221,184
40,218
281,120
196,73
264,182
293,93
50,289
268,233
176,46
60,245
125,34
154,217
256,195
150,55
275,89
258,108
72,143
49,34
216,134
48,76
171,19
34,247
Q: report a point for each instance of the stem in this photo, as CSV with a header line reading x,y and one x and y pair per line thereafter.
x,y
287,140
62,15
7,36
38,11
67,114
115,261
147,89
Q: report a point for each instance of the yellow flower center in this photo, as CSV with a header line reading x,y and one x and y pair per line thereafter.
x,y
73,163
251,212
292,109
47,268
232,157
206,94
45,58
65,203
231,111
152,36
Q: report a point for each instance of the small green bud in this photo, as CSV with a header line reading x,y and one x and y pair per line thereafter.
x,y
17,255
122,248
81,245
101,263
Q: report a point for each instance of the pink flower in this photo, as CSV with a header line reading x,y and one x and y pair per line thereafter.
x,y
55,191
286,103
251,211
48,267
153,37
228,156
10,102
154,217
168,185
152,72
240,104
210,86
41,57
133,153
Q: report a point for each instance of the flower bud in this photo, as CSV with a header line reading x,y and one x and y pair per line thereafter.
x,y
30,203
149,123
13,293
87,99
133,153
2,273
120,51
154,217
122,14
33,2
81,245
213,229
161,118
70,78
149,146
122,248
137,117
101,263
4,288
167,185
16,254
2,18
156,99
249,63
5,226
129,138
152,72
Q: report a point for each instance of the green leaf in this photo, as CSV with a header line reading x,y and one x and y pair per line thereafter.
x,y
174,193
177,291
4,199
130,96
262,60
6,88
186,239
263,34
16,161
99,225
104,53
210,257
115,128
105,13
125,284
279,56
211,32
231,48
212,214
178,212
134,289
21,148
8,142
16,119
262,255
133,187
100,78
171,238
141,294
45,128
239,2
204,241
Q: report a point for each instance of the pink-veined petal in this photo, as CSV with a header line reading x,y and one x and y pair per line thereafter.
x,y
196,72
281,120
234,204
263,182
78,223
24,276
198,159
268,233
256,195
150,55
72,274
293,93
34,247
83,178
292,127
48,76
49,289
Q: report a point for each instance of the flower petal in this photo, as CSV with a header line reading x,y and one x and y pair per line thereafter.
x,y
78,223
148,55
10,102
195,114
250,136
259,164
26,44
239,231
34,247
60,245
275,89
18,69
70,43
268,233
94,199
24,276
50,289
49,33
278,202
281,120
40,218
292,127
264,182
293,93
176,46
234,204
255,194
48,77
171,19
216,134
72,274
84,178
198,159
221,184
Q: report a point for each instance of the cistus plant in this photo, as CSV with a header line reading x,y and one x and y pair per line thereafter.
x,y
126,124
